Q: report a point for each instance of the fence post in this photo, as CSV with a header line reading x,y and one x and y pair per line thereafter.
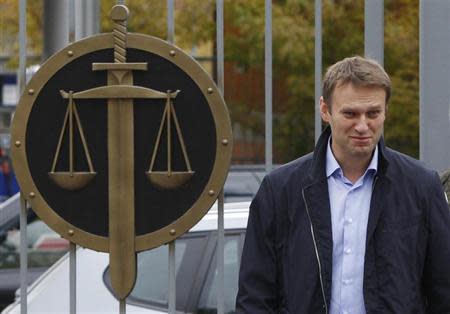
x,y
317,67
23,203
172,275
374,29
220,200
73,246
268,84
434,82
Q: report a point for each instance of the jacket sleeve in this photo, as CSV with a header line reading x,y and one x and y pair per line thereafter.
x,y
437,264
258,289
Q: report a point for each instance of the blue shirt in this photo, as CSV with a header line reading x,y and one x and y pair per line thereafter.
x,y
350,205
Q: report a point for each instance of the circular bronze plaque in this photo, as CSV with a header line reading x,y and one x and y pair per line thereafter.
x,y
62,140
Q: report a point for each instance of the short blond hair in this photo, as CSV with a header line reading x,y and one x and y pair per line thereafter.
x,y
359,71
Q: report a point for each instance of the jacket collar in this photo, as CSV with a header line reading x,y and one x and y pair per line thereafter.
x,y
317,171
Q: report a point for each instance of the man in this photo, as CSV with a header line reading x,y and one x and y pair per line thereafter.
x,y
354,227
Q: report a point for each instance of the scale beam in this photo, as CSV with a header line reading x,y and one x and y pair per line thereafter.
x,y
119,92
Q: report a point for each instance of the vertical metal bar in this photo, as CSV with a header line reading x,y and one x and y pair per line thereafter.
x,y
122,307
71,19
374,29
56,26
421,79
172,275
95,12
220,254
318,67
268,83
80,11
220,207
23,255
22,44
434,80
87,18
170,22
73,246
172,279
23,204
73,277
220,45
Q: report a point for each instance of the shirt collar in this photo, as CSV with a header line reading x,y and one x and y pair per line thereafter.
x,y
332,165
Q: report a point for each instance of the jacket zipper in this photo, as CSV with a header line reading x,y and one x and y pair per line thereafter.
x,y
317,253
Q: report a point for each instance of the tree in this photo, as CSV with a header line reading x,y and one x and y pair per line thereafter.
x,y
9,22
293,58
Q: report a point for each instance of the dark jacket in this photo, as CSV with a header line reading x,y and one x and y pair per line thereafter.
x,y
286,264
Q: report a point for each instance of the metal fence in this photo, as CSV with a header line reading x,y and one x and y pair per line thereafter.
x,y
434,100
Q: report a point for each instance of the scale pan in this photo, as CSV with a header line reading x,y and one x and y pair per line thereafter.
x,y
163,180
71,181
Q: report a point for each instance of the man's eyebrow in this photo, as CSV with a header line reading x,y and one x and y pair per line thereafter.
x,y
353,108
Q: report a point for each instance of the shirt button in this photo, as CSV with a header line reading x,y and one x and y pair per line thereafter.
x,y
347,282
348,251
348,221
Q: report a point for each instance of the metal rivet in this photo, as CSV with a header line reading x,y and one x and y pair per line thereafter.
x,y
225,141
172,232
70,53
71,232
172,53
18,143
211,192
32,194
210,90
30,91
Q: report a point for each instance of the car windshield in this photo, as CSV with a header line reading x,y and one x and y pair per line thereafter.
x,y
196,274
242,184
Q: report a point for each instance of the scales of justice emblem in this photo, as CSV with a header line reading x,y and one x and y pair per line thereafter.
x,y
93,191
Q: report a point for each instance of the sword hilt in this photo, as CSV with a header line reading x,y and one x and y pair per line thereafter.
x,y
119,15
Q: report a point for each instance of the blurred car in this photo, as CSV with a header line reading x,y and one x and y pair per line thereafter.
x,y
196,274
45,247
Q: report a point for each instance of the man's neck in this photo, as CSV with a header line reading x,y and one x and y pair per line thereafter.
x,y
354,168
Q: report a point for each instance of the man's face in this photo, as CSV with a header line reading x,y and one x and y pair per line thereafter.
x,y
356,120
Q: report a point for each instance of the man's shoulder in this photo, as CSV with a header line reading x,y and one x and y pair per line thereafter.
x,y
403,165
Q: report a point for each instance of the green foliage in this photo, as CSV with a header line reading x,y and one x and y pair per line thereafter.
x,y
293,57
402,63
9,29
293,65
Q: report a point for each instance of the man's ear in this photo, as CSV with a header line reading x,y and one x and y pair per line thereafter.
x,y
324,110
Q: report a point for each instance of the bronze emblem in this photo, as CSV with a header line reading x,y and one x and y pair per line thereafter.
x,y
123,143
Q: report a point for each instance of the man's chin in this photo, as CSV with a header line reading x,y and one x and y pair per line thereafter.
x,y
363,151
